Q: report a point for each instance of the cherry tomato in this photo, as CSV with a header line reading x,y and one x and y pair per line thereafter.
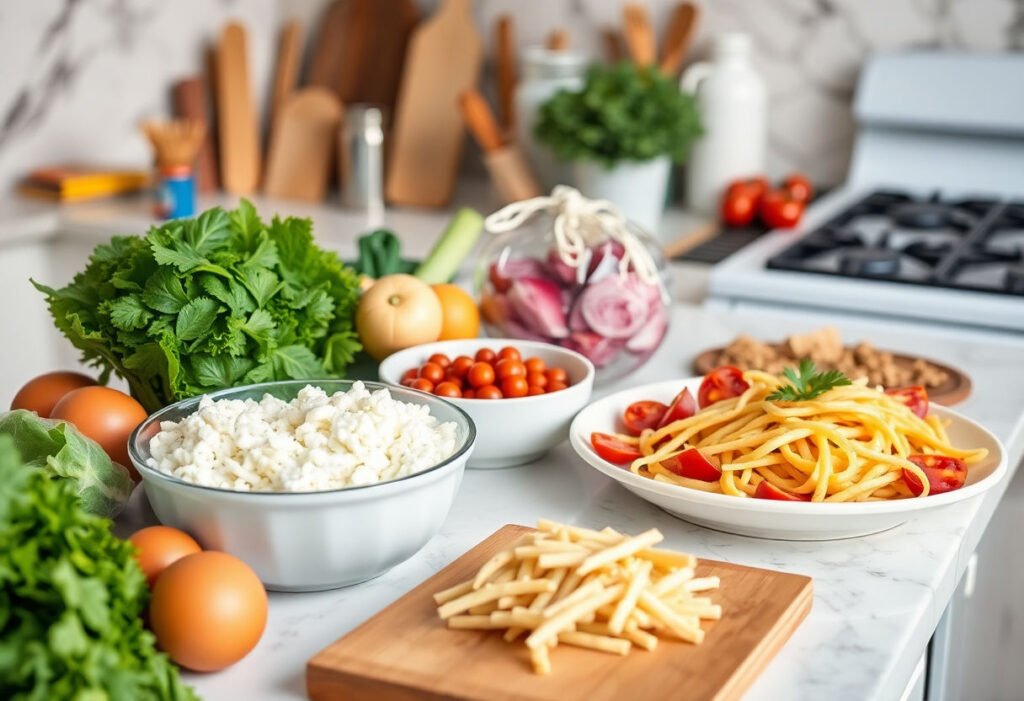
x,y
432,371
537,379
509,353
721,383
943,472
535,365
556,375
410,375
460,366
641,415
682,407
454,379
500,282
514,386
480,375
448,389
767,490
422,384
485,355
613,449
534,390
440,359
798,187
779,210
469,393
692,463
555,386
915,397
508,367
738,209
488,392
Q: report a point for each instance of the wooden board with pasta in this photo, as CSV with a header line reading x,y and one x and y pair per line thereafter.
x,y
428,645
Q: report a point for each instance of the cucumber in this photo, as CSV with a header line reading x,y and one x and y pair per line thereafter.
x,y
452,248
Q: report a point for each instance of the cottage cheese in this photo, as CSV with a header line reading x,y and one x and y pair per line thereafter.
x,y
314,442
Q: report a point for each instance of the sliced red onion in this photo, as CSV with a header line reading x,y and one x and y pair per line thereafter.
x,y
651,333
538,302
596,348
605,256
576,320
503,273
611,309
566,274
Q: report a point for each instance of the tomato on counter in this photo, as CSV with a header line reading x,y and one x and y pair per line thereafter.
x,y
721,383
42,393
781,210
943,472
751,198
798,187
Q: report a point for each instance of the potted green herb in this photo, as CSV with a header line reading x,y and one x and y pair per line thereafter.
x,y
621,131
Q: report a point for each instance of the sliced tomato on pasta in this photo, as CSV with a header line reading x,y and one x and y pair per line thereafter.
x,y
682,407
613,449
943,472
642,415
767,490
915,397
721,383
691,463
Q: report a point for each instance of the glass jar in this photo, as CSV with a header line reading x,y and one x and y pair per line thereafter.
x,y
600,308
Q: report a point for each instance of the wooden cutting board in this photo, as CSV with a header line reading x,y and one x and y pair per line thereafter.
x,y
302,145
238,125
328,52
286,72
442,61
190,97
954,390
406,652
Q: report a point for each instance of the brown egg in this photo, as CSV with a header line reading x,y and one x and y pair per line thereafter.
x,y
208,611
158,547
40,394
104,415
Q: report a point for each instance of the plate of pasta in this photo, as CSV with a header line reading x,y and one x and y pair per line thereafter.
x,y
798,456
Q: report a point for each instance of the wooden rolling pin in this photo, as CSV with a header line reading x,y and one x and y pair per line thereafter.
x,y
508,169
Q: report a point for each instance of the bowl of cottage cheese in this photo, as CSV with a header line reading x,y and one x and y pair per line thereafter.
x,y
315,484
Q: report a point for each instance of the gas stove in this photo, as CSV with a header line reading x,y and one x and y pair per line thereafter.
x,y
968,244
930,223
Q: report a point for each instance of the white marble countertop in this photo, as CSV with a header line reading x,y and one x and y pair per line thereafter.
x,y
877,599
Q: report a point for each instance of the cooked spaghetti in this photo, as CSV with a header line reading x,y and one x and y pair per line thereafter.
x,y
851,443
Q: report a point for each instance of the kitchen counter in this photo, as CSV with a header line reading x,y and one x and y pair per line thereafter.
x,y
877,598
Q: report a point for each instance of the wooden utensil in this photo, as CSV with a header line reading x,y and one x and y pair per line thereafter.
x,y
190,98
378,36
329,47
954,390
691,239
239,133
505,163
443,60
558,40
639,34
505,60
286,73
406,652
303,144
681,28
614,45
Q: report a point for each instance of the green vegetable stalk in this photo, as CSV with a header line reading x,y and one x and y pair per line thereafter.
x,y
451,249
71,599
60,451
216,301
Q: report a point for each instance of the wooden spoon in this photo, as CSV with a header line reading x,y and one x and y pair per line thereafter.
x,y
639,34
681,28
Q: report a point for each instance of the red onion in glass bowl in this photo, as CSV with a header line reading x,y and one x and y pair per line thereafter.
x,y
599,308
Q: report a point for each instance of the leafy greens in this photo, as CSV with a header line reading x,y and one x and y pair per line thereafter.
x,y
71,599
202,304
807,383
59,450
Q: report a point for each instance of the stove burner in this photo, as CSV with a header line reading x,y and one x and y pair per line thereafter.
x,y
928,215
830,238
872,262
928,253
1013,281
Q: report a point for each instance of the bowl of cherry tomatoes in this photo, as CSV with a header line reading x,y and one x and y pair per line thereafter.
x,y
503,384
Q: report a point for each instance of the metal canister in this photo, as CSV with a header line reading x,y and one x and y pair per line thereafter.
x,y
362,161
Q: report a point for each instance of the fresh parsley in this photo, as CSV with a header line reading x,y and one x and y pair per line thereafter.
x,y
807,383
202,304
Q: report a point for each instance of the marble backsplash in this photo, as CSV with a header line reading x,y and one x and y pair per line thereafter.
x,y
77,76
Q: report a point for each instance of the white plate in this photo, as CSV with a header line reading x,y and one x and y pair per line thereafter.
x,y
763,518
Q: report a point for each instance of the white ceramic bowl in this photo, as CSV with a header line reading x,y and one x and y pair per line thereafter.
x,y
509,431
310,541
763,518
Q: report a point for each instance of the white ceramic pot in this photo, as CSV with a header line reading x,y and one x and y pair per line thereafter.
x,y
636,187
509,431
313,540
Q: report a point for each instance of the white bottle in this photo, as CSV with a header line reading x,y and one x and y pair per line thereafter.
x,y
545,72
732,101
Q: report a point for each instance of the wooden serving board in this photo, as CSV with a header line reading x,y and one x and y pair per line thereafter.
x,y
406,652
954,390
